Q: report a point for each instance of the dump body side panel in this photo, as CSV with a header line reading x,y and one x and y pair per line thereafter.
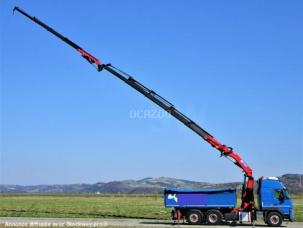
x,y
202,198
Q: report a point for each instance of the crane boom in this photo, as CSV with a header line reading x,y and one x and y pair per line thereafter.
x,y
248,185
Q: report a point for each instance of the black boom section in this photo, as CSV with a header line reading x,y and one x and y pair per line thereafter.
x,y
153,96
51,30
91,59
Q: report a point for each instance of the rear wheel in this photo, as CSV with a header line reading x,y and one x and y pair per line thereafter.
x,y
214,217
194,217
274,219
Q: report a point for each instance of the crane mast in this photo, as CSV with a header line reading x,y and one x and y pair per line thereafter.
x,y
248,185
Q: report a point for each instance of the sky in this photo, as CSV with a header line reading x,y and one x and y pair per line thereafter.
x,y
234,67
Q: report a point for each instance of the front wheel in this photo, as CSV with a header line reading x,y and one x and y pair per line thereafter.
x,y
274,219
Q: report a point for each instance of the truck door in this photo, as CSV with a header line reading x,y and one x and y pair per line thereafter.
x,y
281,201
278,197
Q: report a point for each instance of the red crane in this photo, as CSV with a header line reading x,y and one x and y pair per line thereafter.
x,y
248,185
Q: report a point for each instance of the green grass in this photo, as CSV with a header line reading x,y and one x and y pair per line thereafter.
x,y
150,207
298,205
91,206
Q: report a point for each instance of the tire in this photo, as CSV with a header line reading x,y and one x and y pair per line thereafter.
x,y
214,217
194,217
274,219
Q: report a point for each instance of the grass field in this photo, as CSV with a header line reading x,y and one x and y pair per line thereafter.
x,y
298,205
111,206
84,206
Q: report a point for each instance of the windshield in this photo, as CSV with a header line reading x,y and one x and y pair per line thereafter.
x,y
286,193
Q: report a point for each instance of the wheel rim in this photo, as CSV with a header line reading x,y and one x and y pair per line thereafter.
x,y
274,219
213,218
194,218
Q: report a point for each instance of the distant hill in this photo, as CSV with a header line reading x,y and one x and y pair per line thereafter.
x,y
294,182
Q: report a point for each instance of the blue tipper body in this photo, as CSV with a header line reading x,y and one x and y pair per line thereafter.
x,y
203,198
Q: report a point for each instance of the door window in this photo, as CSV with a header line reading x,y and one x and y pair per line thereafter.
x,y
279,195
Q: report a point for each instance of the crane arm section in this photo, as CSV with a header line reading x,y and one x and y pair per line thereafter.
x,y
170,108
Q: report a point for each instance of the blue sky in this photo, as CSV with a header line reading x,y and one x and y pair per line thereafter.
x,y
235,67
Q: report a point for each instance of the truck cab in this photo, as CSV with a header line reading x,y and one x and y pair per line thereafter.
x,y
274,201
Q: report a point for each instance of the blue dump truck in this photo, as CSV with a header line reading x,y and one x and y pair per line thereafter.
x,y
215,206
203,206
